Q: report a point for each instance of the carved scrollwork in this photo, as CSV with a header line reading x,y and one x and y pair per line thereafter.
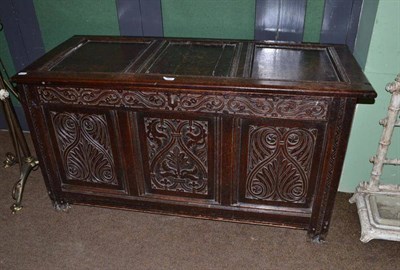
x,y
279,163
202,103
178,154
304,109
144,100
85,147
52,95
266,106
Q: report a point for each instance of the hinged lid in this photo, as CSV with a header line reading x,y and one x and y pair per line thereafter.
x,y
321,69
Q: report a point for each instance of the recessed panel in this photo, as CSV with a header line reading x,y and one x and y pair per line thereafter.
x,y
278,163
101,57
275,63
178,156
85,150
197,59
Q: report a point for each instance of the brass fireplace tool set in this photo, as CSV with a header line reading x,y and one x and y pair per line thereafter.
x,y
22,154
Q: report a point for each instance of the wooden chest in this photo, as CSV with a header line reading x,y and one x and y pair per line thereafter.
x,y
242,131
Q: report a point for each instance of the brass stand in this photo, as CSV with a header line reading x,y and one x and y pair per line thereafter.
x,y
22,154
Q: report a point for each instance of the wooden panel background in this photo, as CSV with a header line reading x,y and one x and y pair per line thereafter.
x,y
140,18
340,23
22,31
284,20
280,20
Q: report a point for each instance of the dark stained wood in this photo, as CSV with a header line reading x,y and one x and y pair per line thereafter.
x,y
279,63
357,84
101,57
242,131
177,59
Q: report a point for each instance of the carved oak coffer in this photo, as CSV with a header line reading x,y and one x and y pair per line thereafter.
x,y
243,131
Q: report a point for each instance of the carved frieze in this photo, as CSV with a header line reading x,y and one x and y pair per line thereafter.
x,y
266,106
178,152
279,163
85,147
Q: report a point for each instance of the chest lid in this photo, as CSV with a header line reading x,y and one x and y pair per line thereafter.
x,y
202,63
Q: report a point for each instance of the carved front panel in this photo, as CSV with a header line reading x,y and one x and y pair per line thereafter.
x,y
279,162
178,155
85,148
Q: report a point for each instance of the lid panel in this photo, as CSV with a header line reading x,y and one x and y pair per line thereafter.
x,y
280,63
194,59
101,57
196,64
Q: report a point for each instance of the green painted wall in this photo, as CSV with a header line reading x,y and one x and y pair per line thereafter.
x,y
209,18
382,65
226,19
61,19
313,21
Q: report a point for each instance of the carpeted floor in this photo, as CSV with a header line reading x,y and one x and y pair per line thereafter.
x,y
38,237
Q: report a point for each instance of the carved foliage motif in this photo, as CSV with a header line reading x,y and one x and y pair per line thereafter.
x,y
266,106
279,163
177,154
85,147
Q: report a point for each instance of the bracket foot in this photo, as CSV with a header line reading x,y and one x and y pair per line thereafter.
x,y
61,206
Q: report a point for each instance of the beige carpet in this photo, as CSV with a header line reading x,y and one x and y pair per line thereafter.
x,y
38,237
